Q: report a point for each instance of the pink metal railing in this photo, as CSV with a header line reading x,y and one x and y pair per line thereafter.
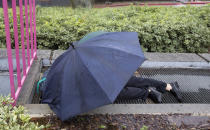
x,y
30,41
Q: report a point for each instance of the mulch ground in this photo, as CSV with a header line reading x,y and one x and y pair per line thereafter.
x,y
122,122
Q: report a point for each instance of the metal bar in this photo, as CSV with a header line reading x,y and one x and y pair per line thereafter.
x,y
27,70
9,51
28,40
34,20
16,42
22,37
17,93
24,77
31,26
27,33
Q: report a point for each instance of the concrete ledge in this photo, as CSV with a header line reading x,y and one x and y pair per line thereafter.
x,y
28,87
190,59
38,110
203,109
41,54
3,53
206,56
57,53
49,56
156,56
174,65
5,83
41,110
173,57
161,57
44,54
5,67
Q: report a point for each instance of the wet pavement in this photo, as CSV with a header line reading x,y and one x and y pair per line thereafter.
x,y
5,83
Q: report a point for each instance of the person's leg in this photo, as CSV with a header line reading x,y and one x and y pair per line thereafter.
x,y
133,93
146,82
140,93
159,85
175,90
155,95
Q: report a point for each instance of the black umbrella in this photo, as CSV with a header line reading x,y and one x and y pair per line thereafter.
x,y
92,72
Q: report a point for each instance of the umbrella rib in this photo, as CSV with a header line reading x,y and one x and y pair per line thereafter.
x,y
91,73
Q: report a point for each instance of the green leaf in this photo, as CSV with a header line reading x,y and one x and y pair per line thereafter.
x,y
102,126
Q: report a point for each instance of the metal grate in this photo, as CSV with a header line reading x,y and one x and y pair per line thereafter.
x,y
194,84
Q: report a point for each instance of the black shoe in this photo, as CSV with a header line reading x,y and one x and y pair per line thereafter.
x,y
155,95
176,91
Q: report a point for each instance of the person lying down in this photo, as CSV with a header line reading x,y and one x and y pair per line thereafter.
x,y
143,88
138,88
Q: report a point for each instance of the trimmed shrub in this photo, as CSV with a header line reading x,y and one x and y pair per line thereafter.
x,y
13,118
160,29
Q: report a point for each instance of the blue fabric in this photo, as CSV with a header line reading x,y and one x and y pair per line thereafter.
x,y
92,74
91,35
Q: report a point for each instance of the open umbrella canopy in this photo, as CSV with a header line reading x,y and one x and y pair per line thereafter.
x,y
92,72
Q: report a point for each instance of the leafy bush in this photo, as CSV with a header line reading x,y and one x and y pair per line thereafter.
x,y
160,29
13,118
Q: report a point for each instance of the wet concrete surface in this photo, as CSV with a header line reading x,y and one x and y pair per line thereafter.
x,y
173,57
5,83
205,56
5,67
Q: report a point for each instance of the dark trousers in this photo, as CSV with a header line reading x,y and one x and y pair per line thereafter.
x,y
137,87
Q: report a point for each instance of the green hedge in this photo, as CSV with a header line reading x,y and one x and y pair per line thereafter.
x,y
160,29
15,118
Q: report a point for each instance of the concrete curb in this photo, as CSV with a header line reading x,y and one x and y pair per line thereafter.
x,y
168,60
42,110
153,109
174,65
28,87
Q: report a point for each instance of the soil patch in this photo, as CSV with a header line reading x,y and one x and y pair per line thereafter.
x,y
126,122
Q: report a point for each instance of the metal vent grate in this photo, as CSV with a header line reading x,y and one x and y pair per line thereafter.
x,y
194,84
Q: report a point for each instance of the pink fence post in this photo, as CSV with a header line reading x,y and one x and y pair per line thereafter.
x,y
20,81
15,26
34,19
31,27
9,51
27,33
22,37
